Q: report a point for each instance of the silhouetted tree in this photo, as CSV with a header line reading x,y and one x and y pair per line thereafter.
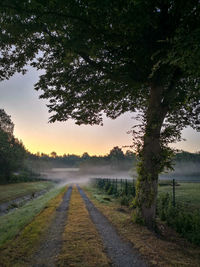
x,y
85,156
12,151
53,154
130,154
116,156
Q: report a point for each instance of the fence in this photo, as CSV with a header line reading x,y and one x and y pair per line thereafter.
x,y
116,187
177,203
119,187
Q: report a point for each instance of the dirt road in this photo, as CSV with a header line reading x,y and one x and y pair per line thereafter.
x,y
120,253
76,234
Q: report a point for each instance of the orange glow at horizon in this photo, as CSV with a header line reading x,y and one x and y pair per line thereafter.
x,y
46,147
68,138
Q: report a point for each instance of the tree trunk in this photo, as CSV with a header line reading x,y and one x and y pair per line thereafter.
x,y
149,165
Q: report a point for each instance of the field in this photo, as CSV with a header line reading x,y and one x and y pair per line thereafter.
x,y
12,191
185,193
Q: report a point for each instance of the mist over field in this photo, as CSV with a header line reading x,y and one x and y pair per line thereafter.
x,y
187,171
77,175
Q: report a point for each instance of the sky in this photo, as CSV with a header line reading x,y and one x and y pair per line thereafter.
x,y
30,116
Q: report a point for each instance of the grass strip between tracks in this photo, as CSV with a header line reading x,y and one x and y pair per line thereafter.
x,y
82,245
17,252
174,251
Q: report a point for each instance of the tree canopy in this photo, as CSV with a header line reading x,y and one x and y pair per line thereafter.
x,y
90,49
112,57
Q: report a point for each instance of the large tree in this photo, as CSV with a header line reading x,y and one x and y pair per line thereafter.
x,y
112,57
12,151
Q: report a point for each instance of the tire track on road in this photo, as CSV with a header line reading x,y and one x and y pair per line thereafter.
x,y
121,253
48,251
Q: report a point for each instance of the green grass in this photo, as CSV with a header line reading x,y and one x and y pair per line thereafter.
x,y
186,193
12,191
11,224
100,195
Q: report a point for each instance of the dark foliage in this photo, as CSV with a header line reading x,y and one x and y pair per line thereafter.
x,y
185,222
120,188
12,151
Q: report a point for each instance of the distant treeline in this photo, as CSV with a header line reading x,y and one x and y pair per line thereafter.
x,y
184,156
116,159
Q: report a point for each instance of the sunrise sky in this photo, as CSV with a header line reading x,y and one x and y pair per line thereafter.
x,y
30,116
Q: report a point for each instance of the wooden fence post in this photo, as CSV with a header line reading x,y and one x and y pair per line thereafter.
x,y
126,188
174,203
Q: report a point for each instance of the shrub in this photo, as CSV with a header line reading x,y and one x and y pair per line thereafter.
x,y
125,200
185,222
111,190
107,186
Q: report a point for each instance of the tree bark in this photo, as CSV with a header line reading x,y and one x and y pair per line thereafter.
x,y
149,165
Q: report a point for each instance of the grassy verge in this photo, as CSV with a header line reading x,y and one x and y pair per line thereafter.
x,y
171,250
18,252
11,224
82,245
186,193
12,191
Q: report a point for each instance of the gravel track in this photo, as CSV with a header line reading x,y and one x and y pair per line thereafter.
x,y
120,252
51,246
